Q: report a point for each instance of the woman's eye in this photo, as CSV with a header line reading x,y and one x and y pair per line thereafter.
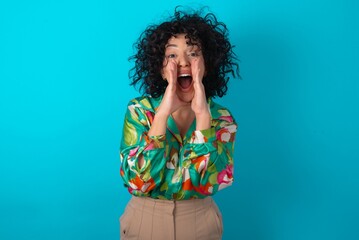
x,y
171,55
193,54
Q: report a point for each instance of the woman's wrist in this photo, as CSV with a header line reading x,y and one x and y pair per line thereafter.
x,y
162,115
203,120
159,124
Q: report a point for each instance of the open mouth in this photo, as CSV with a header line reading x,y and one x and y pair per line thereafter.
x,y
185,81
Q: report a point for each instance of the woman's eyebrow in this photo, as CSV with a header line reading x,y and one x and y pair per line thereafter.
x,y
171,45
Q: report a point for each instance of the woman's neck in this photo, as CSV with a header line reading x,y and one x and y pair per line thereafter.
x,y
183,118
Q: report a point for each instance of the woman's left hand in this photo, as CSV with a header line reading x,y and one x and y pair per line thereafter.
x,y
199,101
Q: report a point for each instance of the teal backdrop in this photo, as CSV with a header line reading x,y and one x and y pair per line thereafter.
x,y
64,89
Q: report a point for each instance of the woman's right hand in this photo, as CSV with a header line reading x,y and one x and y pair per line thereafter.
x,y
170,102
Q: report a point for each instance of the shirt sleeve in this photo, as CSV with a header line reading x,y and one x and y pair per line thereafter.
x,y
209,157
135,143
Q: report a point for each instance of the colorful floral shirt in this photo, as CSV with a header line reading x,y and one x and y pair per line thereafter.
x,y
176,168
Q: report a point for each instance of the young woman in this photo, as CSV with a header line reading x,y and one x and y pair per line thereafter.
x,y
177,144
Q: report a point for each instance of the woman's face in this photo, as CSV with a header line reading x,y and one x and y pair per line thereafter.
x,y
182,53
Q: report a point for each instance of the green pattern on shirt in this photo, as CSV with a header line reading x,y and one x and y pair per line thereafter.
x,y
176,168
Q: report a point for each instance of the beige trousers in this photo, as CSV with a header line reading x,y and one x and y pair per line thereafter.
x,y
146,218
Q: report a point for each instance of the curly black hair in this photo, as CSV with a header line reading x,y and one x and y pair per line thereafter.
x,y
210,34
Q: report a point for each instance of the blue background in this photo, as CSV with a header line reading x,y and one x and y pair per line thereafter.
x,y
64,89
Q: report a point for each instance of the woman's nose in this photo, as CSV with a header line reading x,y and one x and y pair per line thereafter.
x,y
183,61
